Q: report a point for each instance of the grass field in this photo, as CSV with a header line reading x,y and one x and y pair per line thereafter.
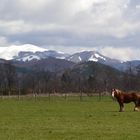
x,y
71,119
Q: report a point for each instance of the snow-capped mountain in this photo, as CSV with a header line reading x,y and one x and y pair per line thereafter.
x,y
91,56
95,56
10,52
30,52
76,58
28,56
86,56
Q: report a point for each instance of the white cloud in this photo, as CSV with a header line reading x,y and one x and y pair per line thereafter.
x,y
66,22
14,27
71,49
3,41
138,7
124,54
79,16
10,51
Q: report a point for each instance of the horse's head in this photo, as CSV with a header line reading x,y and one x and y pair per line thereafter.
x,y
115,92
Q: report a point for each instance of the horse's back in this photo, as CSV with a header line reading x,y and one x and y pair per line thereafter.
x,y
136,95
130,97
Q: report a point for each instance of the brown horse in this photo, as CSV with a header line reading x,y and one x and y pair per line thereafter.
x,y
123,97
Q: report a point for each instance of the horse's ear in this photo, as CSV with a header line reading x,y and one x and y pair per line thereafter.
x,y
112,89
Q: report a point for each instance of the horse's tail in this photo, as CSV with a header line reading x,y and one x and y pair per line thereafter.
x,y
138,97
138,94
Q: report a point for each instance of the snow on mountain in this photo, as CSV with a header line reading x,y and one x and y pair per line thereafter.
x,y
86,56
92,58
99,56
28,56
80,58
95,56
30,52
12,51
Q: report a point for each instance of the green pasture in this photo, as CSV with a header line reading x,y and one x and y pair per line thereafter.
x,y
70,119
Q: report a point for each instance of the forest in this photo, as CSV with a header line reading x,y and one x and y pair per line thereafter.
x,y
87,77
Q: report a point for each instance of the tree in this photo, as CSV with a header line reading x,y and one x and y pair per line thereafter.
x,y
66,81
92,83
9,77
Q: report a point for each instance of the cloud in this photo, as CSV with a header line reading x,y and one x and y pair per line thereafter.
x,y
80,17
71,22
124,54
3,41
13,50
71,49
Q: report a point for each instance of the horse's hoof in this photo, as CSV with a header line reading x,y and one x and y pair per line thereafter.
x,y
136,109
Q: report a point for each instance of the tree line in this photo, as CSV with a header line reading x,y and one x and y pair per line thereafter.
x,y
17,82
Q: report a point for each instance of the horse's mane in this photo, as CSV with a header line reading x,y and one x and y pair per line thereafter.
x,y
118,91
122,92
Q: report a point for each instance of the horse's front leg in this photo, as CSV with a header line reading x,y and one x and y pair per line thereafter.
x,y
121,107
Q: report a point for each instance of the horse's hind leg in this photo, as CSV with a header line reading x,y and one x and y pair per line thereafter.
x,y
137,105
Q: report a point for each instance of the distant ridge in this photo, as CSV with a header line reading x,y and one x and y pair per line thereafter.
x,y
28,52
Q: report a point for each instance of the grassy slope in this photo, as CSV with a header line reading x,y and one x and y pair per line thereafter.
x,y
67,120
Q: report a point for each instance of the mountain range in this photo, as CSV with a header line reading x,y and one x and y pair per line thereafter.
x,y
28,54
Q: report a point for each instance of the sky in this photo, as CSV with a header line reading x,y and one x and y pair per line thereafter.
x,y
111,27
